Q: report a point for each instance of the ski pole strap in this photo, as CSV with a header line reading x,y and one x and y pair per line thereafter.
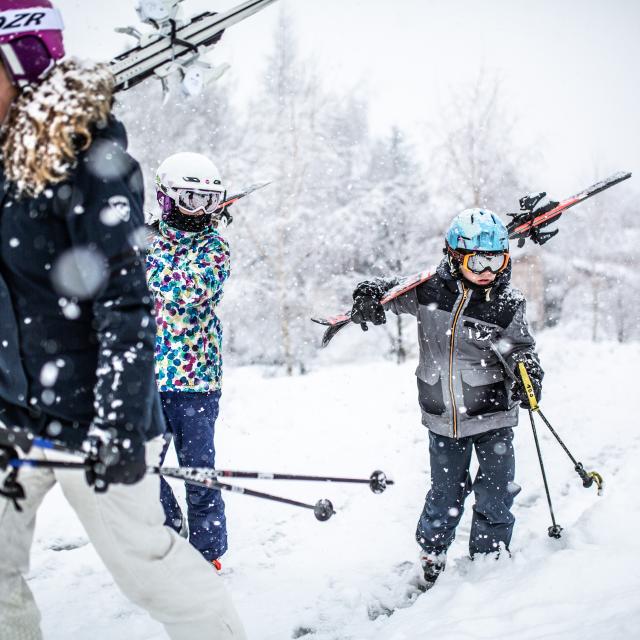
x,y
12,490
528,386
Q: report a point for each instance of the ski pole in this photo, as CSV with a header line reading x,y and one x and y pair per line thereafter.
x,y
322,510
555,529
587,477
25,441
206,477
377,481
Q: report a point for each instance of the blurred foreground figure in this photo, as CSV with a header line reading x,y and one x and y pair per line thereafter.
x,y
77,333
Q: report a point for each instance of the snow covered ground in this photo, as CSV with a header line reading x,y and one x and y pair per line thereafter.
x,y
294,577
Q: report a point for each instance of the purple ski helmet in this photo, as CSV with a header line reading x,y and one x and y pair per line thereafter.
x,y
30,39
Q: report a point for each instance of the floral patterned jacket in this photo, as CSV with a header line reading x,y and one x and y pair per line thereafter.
x,y
186,273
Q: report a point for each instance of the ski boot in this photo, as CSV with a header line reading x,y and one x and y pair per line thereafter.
x,y
432,566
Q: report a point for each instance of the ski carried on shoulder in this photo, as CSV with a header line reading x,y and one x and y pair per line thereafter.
x,y
222,212
526,224
175,45
336,323
238,196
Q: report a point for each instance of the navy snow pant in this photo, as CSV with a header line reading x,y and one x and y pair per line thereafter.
x,y
451,483
191,419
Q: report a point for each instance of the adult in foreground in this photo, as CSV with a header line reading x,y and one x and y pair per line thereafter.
x,y
77,333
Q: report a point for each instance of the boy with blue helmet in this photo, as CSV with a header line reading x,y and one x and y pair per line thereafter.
x,y
472,332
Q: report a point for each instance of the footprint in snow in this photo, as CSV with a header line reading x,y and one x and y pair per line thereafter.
x,y
68,544
401,592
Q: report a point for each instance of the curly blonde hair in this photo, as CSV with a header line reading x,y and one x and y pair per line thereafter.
x,y
49,124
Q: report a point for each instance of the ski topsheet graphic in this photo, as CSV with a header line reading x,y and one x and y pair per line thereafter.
x,y
175,46
526,224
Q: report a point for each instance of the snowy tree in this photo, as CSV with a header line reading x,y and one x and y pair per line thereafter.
x,y
206,124
396,234
478,162
278,249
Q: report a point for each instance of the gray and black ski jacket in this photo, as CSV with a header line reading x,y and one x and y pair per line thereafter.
x,y
463,387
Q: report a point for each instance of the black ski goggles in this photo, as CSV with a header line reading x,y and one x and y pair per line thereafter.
x,y
481,261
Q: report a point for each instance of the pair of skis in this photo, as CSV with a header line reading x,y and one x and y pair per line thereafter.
x,y
173,47
527,224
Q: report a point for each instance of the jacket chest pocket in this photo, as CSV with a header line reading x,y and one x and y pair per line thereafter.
x,y
484,391
430,391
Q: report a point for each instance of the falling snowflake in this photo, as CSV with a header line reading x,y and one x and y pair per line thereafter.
x,y
79,273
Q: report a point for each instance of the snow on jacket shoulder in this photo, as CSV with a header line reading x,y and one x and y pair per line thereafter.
x,y
463,388
75,302
186,273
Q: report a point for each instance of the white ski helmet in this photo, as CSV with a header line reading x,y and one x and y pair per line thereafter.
x,y
191,181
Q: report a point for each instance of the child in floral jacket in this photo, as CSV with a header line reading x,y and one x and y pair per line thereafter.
x,y
188,264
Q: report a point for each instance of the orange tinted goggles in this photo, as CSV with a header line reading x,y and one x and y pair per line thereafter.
x,y
478,261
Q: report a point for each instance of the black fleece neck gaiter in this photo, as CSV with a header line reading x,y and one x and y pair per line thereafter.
x,y
182,222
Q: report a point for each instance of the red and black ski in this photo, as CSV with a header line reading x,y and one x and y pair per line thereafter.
x,y
335,323
526,224
238,196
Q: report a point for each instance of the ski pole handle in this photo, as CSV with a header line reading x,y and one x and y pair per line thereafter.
x,y
589,477
528,387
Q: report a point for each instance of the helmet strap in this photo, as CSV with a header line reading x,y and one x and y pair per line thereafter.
x,y
453,261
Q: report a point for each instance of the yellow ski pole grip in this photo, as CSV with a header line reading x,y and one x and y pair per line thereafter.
x,y
528,386
598,479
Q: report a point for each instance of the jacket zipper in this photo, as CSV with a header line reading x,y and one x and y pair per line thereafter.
x,y
452,342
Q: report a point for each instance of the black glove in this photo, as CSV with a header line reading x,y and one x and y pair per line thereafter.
x,y
114,463
366,304
518,392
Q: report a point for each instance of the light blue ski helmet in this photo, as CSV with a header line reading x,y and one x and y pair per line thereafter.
x,y
477,230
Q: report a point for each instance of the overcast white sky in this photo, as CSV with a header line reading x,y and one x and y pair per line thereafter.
x,y
569,67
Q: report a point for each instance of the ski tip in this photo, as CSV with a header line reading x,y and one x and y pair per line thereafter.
x,y
332,330
323,321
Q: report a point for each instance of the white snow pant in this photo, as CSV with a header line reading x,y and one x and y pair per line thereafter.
x,y
153,566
